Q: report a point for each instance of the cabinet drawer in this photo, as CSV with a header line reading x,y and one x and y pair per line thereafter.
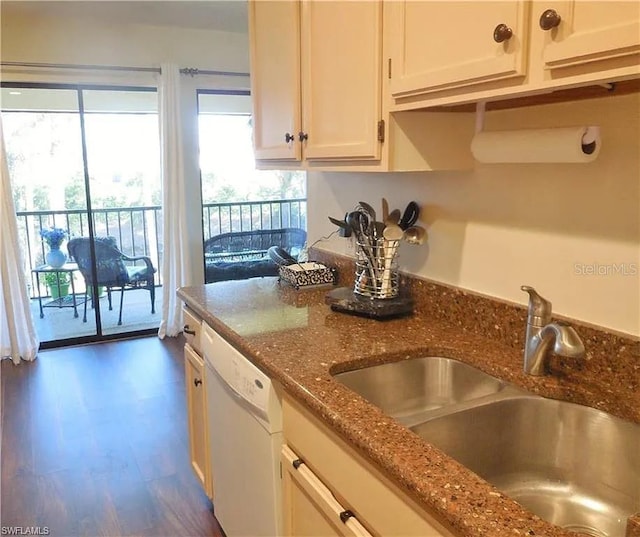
x,y
310,508
354,481
192,329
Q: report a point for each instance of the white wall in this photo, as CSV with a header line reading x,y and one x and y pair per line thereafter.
x,y
83,41
501,226
89,42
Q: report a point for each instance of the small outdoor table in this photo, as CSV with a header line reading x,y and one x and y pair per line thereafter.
x,y
69,301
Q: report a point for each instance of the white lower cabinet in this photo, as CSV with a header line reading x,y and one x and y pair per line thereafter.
x,y
310,507
332,490
197,417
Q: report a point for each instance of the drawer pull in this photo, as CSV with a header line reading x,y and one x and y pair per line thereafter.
x,y
346,515
550,19
197,382
302,136
187,331
289,137
502,33
296,464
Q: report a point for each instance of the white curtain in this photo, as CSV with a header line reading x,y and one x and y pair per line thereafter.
x,y
176,264
18,338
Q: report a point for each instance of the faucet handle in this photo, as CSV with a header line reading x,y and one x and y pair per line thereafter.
x,y
539,308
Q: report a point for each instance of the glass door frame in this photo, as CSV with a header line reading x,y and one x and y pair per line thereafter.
x,y
99,336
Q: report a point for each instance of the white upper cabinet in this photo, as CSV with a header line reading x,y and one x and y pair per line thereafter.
x,y
440,45
346,84
316,79
341,79
451,52
580,32
274,29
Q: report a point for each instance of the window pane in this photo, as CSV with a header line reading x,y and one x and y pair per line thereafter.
x,y
228,167
44,150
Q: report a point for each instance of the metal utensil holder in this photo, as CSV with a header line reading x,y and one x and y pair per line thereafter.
x,y
376,268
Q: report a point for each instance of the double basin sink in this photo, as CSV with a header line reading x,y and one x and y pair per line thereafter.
x,y
574,466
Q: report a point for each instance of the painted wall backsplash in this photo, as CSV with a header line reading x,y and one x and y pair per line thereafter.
x,y
570,230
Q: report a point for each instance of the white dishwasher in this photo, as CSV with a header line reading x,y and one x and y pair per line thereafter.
x,y
245,439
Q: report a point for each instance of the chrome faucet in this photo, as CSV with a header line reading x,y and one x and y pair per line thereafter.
x,y
541,333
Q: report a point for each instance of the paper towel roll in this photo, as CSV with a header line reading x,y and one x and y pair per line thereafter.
x,y
568,144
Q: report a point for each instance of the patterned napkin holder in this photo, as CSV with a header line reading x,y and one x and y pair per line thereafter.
x,y
307,274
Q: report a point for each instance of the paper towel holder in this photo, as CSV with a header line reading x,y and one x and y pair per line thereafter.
x,y
588,141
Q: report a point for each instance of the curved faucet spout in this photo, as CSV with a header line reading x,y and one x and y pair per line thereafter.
x,y
541,338
567,341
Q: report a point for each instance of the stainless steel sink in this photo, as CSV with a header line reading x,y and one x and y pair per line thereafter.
x,y
574,466
411,389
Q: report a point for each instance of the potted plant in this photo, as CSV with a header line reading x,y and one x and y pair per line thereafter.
x,y
100,291
53,278
54,236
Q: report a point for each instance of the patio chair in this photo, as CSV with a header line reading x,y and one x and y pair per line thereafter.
x,y
111,271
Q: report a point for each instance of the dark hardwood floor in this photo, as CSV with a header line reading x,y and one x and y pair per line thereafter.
x,y
95,442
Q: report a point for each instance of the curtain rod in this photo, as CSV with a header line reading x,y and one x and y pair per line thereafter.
x,y
191,71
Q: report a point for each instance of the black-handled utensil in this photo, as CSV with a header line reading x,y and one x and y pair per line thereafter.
x,y
280,256
410,215
338,223
369,211
357,221
345,229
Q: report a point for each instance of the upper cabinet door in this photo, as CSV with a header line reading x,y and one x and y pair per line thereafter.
x,y
588,31
440,45
274,43
341,79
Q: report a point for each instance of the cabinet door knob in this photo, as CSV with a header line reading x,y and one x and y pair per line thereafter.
x,y
288,137
549,19
502,33
197,382
302,136
187,331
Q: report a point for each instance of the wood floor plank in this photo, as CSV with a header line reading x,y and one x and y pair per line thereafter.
x,y
52,505
87,497
95,443
169,494
18,492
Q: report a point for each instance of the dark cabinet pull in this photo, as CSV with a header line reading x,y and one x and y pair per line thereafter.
x,y
289,137
550,19
302,136
187,331
346,515
502,33
197,382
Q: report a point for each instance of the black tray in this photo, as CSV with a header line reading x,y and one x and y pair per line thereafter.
x,y
344,300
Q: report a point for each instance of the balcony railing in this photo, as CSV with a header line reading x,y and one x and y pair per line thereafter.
x,y
249,215
138,230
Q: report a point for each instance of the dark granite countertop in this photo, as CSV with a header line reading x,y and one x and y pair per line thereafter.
x,y
299,341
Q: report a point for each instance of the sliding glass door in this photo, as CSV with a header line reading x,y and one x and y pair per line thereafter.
x,y
123,161
84,164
